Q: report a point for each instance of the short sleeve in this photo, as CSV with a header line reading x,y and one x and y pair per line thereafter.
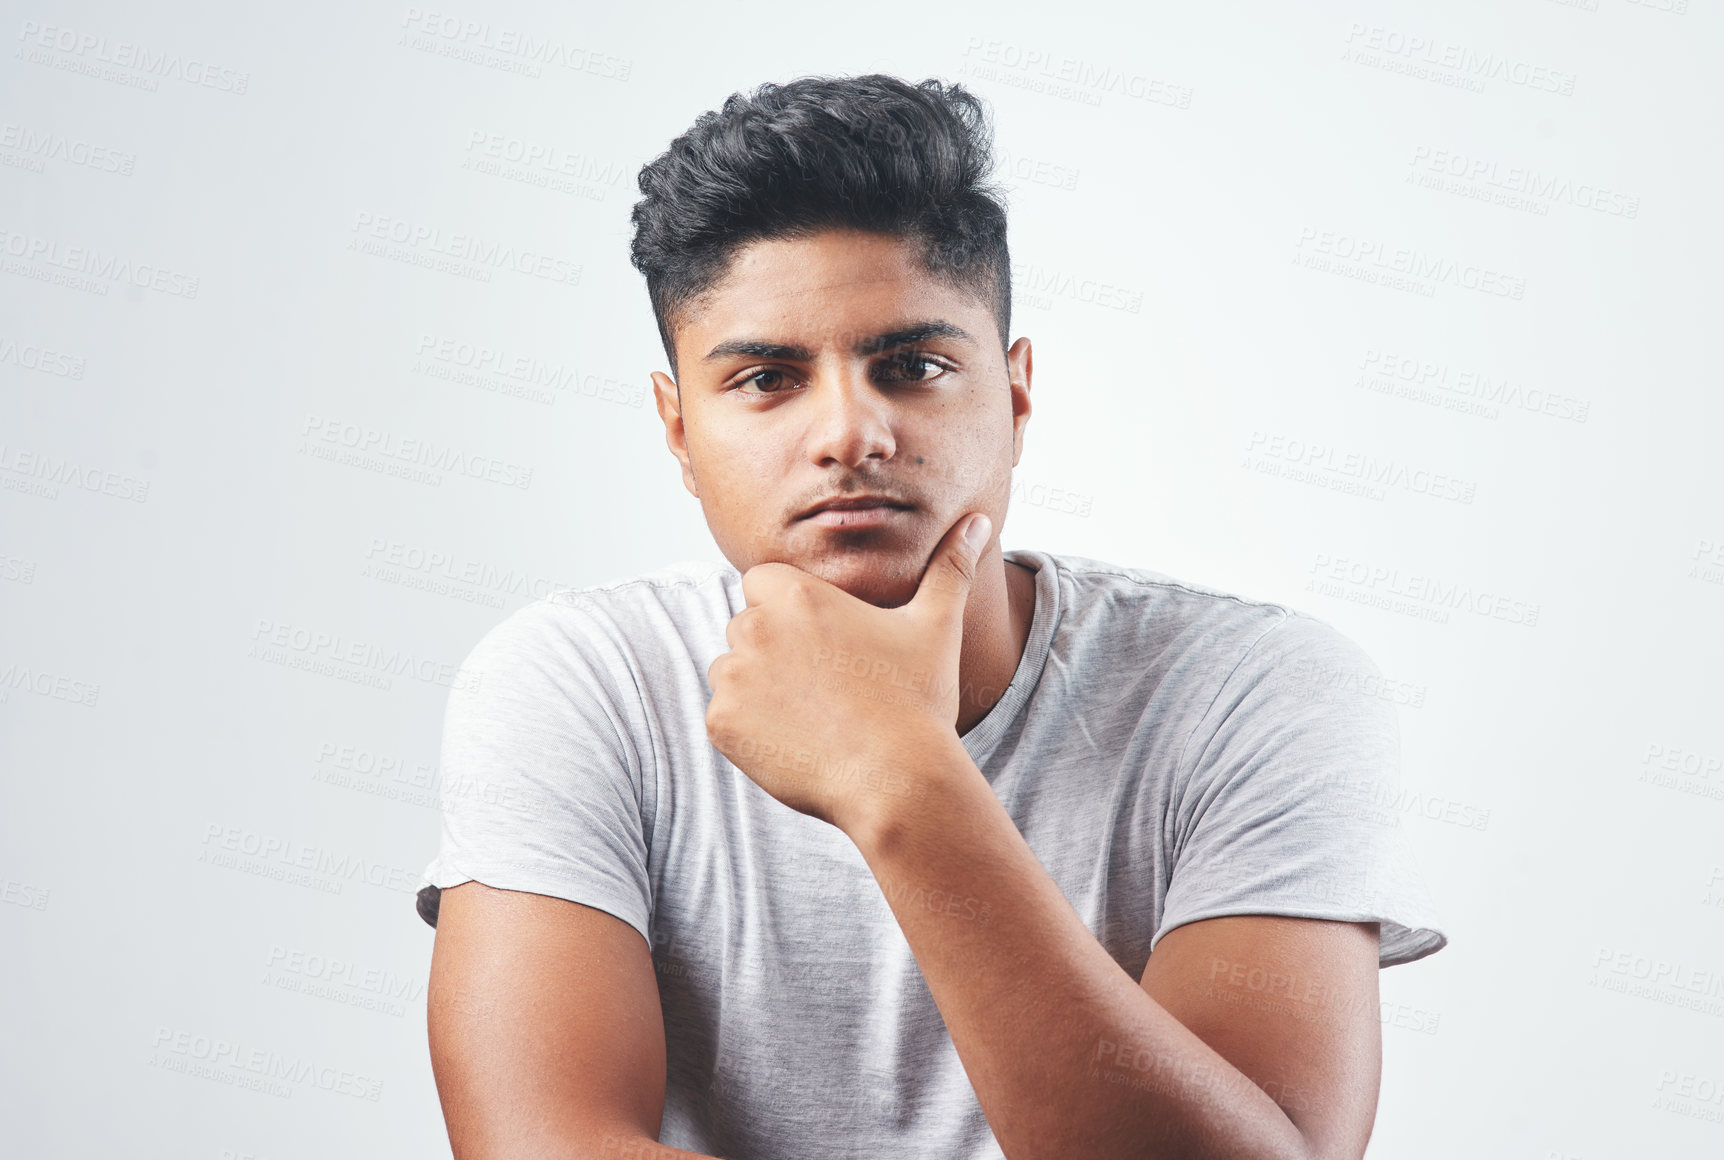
x,y
542,790
1286,798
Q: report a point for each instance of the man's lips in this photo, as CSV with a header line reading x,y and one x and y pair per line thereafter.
x,y
854,503
877,516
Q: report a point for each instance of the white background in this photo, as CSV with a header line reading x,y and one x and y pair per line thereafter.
x,y
195,313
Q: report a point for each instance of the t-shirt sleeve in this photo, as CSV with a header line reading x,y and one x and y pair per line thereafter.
x,y
1285,802
542,789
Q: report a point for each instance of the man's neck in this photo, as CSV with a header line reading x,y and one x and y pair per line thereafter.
x,y
997,617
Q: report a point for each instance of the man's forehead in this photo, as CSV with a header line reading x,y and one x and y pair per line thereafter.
x,y
833,311
861,341
785,283
832,248
784,301
835,289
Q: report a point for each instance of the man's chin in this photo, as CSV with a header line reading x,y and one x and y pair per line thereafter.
x,y
874,578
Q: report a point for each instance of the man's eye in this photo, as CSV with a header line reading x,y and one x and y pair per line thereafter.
x,y
774,377
909,368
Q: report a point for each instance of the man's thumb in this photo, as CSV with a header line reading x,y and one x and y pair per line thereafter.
x,y
953,568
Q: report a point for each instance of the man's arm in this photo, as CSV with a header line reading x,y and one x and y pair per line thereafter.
x,y
547,1040
1069,1056
1290,1002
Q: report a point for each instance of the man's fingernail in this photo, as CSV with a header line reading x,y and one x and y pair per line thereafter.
x,y
976,532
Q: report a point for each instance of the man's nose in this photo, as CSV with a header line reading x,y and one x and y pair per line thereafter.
x,y
851,419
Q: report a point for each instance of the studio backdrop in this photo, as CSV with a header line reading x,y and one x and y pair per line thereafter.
x,y
321,354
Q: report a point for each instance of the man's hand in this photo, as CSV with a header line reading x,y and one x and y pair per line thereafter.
x,y
822,696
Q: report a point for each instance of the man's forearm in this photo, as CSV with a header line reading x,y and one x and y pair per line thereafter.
x,y
643,1148
1053,1034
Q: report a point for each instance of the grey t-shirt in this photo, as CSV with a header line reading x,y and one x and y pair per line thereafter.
x,y
1170,752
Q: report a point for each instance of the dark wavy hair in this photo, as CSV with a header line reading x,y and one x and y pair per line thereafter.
x,y
872,152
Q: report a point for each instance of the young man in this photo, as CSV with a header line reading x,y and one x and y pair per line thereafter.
x,y
860,846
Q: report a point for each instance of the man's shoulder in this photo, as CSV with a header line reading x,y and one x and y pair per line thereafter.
x,y
1148,618
681,576
1144,595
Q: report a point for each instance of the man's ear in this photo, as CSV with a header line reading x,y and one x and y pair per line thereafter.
x,y
667,397
1019,366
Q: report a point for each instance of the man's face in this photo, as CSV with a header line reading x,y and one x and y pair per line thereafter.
x,y
834,366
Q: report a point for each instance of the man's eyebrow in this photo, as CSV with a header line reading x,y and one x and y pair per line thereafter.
x,y
915,332
872,344
757,348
